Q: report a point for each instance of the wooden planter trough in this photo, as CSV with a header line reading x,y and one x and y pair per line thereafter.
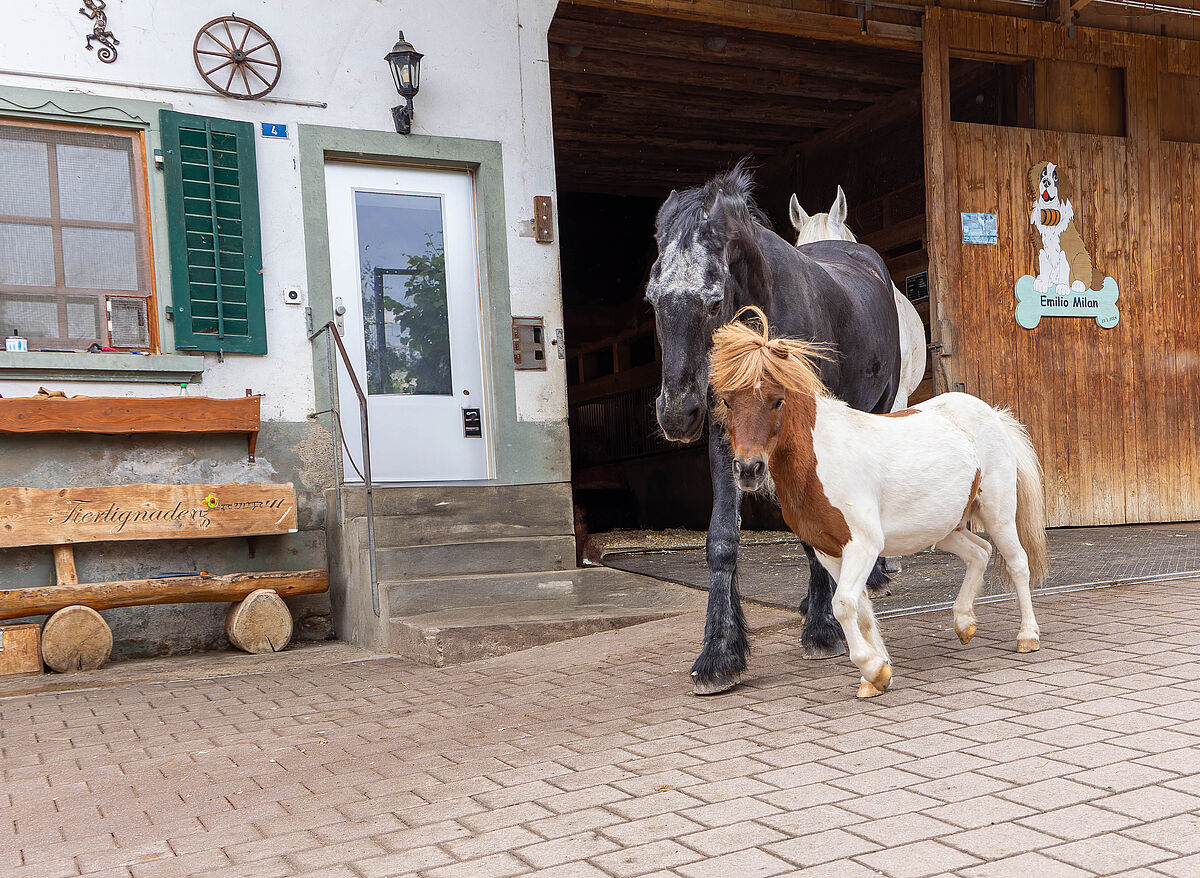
x,y
121,415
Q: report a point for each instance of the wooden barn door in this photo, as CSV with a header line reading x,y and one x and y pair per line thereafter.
x,y
1114,413
1073,383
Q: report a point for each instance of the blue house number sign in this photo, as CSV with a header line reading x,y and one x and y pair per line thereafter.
x,y
274,129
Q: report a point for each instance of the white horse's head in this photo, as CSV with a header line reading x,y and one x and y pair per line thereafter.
x,y
822,226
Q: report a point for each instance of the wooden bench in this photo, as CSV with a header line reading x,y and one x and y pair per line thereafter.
x,y
74,636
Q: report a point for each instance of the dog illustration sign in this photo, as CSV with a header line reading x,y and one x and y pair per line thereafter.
x,y
1066,285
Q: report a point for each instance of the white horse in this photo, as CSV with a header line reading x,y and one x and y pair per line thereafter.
x,y
832,227
856,486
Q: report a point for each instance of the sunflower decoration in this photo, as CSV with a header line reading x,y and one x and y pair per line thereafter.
x,y
210,501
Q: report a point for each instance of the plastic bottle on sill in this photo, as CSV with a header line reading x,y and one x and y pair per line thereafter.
x,y
15,344
183,391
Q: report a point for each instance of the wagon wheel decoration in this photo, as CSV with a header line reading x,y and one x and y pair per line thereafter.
x,y
237,58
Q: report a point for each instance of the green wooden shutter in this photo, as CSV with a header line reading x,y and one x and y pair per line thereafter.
x,y
216,249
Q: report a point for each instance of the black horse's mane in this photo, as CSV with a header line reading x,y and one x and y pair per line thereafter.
x,y
688,209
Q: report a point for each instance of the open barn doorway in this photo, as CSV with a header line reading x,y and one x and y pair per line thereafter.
x,y
645,104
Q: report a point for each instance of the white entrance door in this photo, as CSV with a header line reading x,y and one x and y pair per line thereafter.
x,y
403,259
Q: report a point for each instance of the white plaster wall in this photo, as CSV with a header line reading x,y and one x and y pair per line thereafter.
x,y
485,75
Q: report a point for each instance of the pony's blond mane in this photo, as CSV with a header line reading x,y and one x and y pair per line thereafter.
x,y
744,356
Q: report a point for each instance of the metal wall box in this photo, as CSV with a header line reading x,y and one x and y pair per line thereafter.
x,y
529,343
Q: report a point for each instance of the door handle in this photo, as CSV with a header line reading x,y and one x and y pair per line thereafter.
x,y
339,312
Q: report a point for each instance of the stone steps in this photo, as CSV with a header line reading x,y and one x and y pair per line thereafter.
x,y
478,558
451,620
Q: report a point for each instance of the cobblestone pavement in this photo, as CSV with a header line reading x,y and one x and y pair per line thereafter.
x,y
776,574
590,758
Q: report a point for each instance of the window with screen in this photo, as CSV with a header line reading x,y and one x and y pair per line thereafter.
x,y
74,241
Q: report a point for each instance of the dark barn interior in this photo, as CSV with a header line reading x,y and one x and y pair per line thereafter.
x,y
643,105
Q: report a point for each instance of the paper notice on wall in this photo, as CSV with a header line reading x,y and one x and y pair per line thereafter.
x,y
979,228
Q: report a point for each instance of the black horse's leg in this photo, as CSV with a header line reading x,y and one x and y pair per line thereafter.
x,y
879,583
723,658
822,637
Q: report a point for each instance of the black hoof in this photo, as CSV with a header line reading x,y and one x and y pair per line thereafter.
x,y
878,577
818,651
882,590
715,684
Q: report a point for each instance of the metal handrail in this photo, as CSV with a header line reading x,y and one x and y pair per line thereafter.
x,y
331,328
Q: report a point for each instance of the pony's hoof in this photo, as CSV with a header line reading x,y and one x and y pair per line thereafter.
x,y
965,634
883,678
866,690
882,590
1028,644
714,685
818,651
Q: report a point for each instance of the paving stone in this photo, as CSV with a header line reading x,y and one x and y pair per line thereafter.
x,y
731,838
889,803
807,821
1054,793
494,866
821,847
1188,867
1029,864
1180,834
407,862
999,840
1109,853
646,858
1152,803
979,811
902,829
1078,821
744,864
917,860
564,850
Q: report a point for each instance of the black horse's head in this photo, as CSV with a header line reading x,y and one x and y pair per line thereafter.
x,y
709,265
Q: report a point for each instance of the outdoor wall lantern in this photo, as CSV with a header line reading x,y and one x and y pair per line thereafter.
x,y
405,62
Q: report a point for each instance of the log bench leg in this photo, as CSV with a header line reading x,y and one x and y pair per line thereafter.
x,y
64,565
76,639
260,623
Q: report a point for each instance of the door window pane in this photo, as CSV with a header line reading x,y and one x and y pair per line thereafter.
x,y
402,269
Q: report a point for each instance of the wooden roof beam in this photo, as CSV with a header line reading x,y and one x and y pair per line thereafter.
x,y
744,48
795,22
880,115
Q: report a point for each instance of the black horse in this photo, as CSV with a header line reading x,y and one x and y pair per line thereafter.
x,y
717,254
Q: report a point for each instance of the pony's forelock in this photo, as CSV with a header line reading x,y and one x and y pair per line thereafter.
x,y
744,357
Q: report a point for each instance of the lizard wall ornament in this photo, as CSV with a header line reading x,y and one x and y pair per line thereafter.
x,y
94,9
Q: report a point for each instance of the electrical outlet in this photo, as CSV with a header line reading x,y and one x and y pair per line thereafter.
x,y
292,296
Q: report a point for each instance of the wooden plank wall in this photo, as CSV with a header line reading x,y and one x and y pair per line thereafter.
x,y
1114,413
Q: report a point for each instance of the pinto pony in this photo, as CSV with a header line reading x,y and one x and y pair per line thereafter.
x,y
856,485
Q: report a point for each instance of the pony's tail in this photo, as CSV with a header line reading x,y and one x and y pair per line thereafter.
x,y
1031,504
